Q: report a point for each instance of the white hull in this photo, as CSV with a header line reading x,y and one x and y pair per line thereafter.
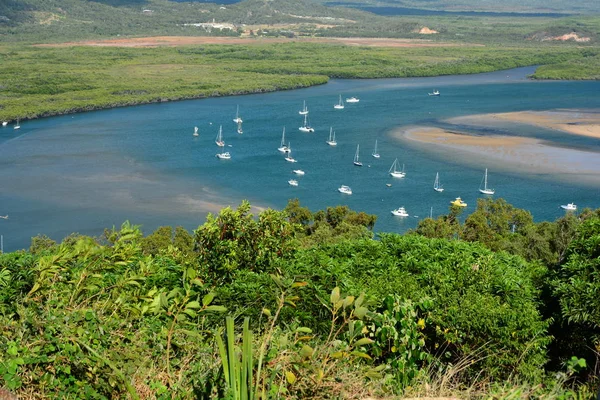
x,y
290,159
306,129
400,212
487,191
224,156
352,100
284,149
304,109
339,105
345,189
298,172
293,182
569,207
4,123
394,173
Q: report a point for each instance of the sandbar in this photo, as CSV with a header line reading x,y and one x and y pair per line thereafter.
x,y
576,122
510,153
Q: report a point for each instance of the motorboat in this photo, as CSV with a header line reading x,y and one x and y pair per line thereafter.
x,y
224,155
400,212
352,100
293,182
435,93
345,189
298,172
569,207
458,202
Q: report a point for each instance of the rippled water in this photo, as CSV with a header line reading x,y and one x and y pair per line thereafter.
x,y
85,172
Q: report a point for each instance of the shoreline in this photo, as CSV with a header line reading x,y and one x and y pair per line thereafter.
x,y
575,122
509,153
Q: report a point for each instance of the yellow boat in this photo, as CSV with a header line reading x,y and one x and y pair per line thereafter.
x,y
458,202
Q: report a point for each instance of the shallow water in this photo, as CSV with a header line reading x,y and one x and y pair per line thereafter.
x,y
90,171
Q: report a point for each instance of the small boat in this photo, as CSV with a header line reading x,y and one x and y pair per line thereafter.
x,y
388,184
237,118
569,207
375,153
394,171
340,104
435,93
196,131
331,141
436,184
283,147
239,129
356,162
400,212
4,216
485,189
304,110
293,182
345,189
224,156
298,172
289,157
458,202
219,140
4,123
306,127
352,100
17,126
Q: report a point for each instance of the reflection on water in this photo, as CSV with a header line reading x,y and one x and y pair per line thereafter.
x,y
85,172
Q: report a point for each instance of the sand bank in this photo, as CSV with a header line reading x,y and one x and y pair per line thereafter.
x,y
577,122
516,154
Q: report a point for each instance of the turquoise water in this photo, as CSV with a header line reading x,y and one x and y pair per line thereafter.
x,y
86,172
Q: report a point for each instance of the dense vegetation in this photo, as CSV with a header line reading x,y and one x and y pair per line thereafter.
x,y
496,307
40,81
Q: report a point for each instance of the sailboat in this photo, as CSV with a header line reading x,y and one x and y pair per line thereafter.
x,y
17,126
306,127
340,104
237,118
239,130
283,147
485,189
436,185
289,157
331,141
375,153
219,140
394,171
356,162
196,131
304,110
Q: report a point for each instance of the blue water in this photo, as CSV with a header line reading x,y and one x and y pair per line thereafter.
x,y
419,11
90,171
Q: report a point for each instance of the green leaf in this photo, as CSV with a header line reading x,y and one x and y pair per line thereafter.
x,y
360,312
304,329
306,351
359,300
290,377
363,341
348,301
216,308
194,305
361,354
299,284
335,295
206,300
267,312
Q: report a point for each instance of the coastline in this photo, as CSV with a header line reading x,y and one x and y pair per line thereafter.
x,y
576,122
513,154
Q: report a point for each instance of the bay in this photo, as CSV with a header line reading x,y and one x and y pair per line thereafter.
x,y
90,171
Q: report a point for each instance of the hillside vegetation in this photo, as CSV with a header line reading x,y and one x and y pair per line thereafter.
x,y
315,309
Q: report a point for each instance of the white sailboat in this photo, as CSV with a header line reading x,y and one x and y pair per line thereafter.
x,y
17,126
375,153
331,141
394,170
304,110
306,127
289,157
219,140
340,104
436,184
283,147
237,118
239,129
485,189
356,162
196,131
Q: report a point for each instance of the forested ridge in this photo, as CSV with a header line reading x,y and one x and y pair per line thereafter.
x,y
302,304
